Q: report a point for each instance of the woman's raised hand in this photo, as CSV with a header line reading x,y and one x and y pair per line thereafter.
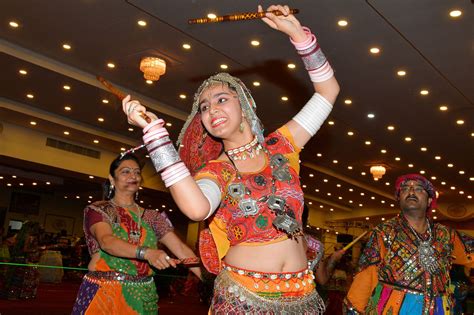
x,y
136,112
286,23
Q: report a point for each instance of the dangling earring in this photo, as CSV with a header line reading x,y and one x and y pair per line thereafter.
x,y
203,139
136,195
111,191
242,126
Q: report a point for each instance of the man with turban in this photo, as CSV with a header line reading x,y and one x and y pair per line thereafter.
x,y
404,268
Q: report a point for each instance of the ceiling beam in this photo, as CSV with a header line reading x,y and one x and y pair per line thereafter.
x,y
327,202
87,78
348,180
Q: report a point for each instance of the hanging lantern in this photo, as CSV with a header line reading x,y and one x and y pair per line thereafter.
x,y
377,171
152,68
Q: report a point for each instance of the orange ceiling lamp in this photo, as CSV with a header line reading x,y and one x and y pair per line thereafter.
x,y
152,68
377,171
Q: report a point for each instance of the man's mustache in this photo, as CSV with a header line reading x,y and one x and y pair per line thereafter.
x,y
411,197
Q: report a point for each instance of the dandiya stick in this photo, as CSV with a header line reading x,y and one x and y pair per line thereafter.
x,y
354,241
119,94
239,17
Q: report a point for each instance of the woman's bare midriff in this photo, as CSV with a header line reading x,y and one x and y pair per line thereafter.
x,y
285,256
94,259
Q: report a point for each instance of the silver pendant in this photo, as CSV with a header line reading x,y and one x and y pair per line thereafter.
x,y
427,257
276,203
237,191
287,224
278,160
248,206
281,174
135,236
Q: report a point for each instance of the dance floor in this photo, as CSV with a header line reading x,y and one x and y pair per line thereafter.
x,y
58,299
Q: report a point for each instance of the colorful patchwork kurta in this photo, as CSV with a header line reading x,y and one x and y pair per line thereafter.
x,y
391,279
120,285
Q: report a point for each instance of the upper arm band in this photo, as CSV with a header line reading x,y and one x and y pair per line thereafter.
x,y
313,114
212,192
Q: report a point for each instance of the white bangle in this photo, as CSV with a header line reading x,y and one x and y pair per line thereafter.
x,y
212,192
313,114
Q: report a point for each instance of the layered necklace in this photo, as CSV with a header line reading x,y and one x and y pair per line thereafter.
x,y
247,151
426,253
135,234
285,218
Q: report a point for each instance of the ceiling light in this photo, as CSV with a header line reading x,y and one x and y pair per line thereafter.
x,y
67,46
349,167
110,65
360,205
397,158
149,81
437,157
152,68
453,187
33,123
30,96
461,192
334,161
387,184
182,96
130,129
141,23
255,43
435,217
351,189
14,24
211,16
331,123
342,23
96,141
100,119
325,180
338,185
347,101
443,108
311,175
186,46
424,149
319,155
374,50
443,183
368,143
329,194
401,73
67,108
66,133
370,115
460,122
410,165
408,139
462,172
367,218
422,172
363,173
122,149
91,177
424,92
67,87
23,72
362,194
391,128
291,65
284,98
455,13
169,124
105,101
450,165
224,66
377,171
350,133
471,179
383,151
34,183
256,83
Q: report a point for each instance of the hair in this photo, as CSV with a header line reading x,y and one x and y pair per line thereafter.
x,y
29,228
114,165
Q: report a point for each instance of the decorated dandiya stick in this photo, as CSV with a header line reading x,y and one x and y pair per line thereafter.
x,y
119,94
354,241
189,261
239,17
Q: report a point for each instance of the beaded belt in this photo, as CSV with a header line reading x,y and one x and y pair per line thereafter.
x,y
98,276
267,275
407,290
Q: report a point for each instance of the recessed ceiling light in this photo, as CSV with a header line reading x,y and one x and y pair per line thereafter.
x,y
14,24
186,46
374,50
367,218
362,194
410,165
67,87
460,122
462,172
141,23
325,180
34,183
182,96
469,197
435,217
387,184
256,83
291,66
111,65
48,183
105,101
360,204
472,134
30,96
453,187
347,101
342,23
350,133
422,172
284,98
319,155
224,66
471,179
169,124
66,133
424,92
254,42
397,158
91,177
33,123
391,128
311,175
368,142
331,123
383,151
370,115
450,165
349,167
130,129
433,177
363,173
96,141
408,139
338,185
443,108
461,192
437,157
351,189
67,46
22,72
100,119
211,15
335,161
401,73
455,13
443,183
122,149
68,108
424,149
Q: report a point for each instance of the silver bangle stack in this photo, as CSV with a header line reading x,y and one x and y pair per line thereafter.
x,y
163,155
140,252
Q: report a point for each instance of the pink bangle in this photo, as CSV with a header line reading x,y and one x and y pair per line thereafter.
x,y
172,169
155,134
152,124
307,42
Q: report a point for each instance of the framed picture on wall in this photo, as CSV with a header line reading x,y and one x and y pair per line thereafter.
x,y
25,203
56,223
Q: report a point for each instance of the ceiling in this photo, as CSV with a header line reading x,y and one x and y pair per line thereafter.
x,y
435,50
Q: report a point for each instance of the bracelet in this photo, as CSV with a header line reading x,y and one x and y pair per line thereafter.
x,y
164,156
155,144
174,174
152,124
140,252
158,133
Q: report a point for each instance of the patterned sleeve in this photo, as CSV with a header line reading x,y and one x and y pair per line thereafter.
x,y
463,249
281,141
161,224
371,254
217,171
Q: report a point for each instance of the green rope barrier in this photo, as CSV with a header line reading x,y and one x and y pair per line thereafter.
x,y
70,268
